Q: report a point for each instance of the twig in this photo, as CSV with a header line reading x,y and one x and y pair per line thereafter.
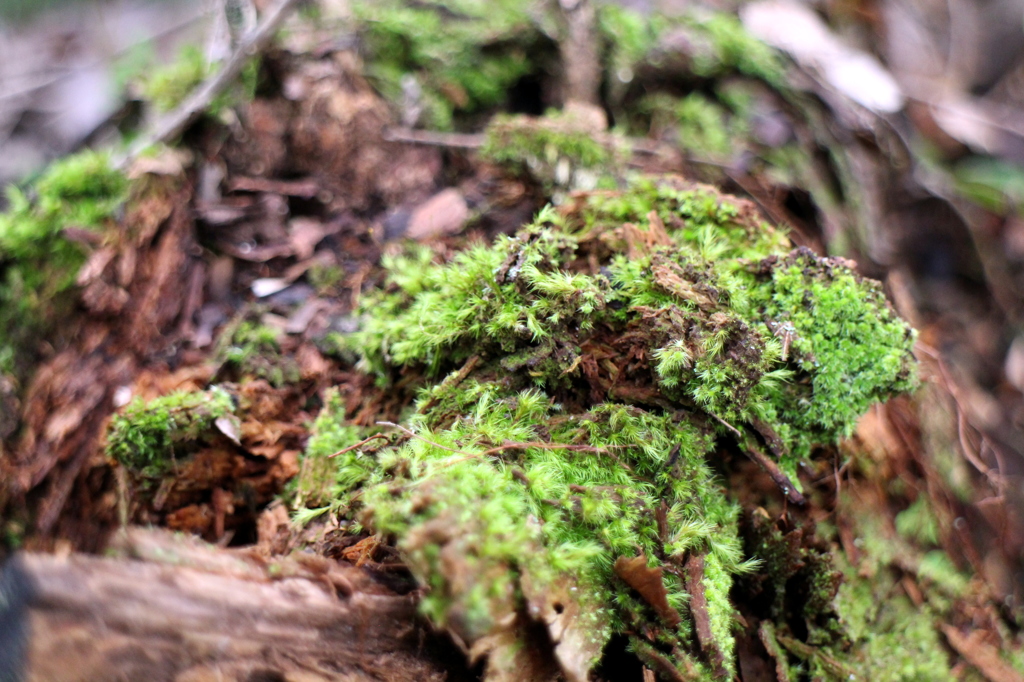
x,y
995,477
775,473
434,139
172,125
357,445
729,426
510,446
419,437
453,380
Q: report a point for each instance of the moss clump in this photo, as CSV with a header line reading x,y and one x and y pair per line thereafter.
x,y
717,44
165,86
38,263
253,350
147,436
555,150
168,86
593,361
456,57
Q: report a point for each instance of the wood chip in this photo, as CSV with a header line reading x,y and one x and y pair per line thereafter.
x,y
442,214
982,655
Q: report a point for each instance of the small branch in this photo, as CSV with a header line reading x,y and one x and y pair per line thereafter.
x,y
419,437
774,472
434,139
172,125
510,446
358,445
453,380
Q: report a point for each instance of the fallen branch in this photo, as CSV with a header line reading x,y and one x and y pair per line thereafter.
x,y
174,123
174,608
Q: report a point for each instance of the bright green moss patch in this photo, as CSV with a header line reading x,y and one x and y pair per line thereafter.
x,y
168,86
146,437
38,263
891,639
576,378
165,86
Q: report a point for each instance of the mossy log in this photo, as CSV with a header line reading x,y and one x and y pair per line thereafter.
x,y
172,608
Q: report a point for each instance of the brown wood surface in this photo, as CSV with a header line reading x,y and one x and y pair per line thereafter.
x,y
169,608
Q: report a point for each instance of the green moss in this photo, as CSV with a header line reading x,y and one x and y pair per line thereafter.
x,y
462,55
717,44
253,350
735,49
168,86
705,129
147,436
796,576
917,522
893,639
165,86
325,480
39,263
592,362
557,152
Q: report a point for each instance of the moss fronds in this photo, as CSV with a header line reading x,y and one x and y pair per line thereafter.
x,y
795,346
325,478
147,436
505,501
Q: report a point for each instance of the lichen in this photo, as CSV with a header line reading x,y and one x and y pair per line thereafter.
x,y
590,365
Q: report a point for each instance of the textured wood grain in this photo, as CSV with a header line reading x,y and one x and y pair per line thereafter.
x,y
199,613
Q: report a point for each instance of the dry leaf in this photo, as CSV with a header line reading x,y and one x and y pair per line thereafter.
x,y
647,581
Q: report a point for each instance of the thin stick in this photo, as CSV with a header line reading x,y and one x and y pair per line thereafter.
x,y
358,445
172,125
434,139
774,472
419,437
510,446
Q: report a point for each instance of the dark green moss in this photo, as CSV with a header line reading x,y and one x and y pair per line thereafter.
x,y
247,349
461,56
38,263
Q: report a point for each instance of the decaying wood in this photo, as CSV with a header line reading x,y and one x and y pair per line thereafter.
x,y
171,608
